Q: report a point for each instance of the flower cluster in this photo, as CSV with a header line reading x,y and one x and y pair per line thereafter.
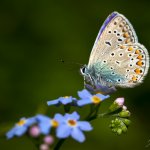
x,y
70,124
85,97
120,124
67,125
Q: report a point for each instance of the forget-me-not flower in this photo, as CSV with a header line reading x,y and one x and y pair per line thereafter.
x,y
88,98
45,123
21,127
69,125
62,100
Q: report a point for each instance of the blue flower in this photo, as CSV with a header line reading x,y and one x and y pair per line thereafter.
x,y
70,126
88,98
45,123
62,100
21,127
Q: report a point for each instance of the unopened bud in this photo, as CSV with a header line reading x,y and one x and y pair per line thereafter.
x,y
119,131
126,122
124,113
118,103
48,139
34,131
124,128
44,147
124,107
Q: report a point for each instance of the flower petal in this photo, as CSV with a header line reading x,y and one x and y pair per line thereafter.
x,y
84,94
42,118
45,127
102,97
85,126
78,135
63,131
83,102
53,102
74,116
65,101
59,118
20,130
30,121
11,133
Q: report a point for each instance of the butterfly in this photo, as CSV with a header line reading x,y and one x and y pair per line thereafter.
x,y
117,58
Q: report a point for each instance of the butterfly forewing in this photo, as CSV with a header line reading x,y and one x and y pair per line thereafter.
x,y
117,32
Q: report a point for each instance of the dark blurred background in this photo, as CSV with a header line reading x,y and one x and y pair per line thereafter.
x,y
34,36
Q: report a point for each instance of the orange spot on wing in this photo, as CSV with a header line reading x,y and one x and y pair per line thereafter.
x,y
137,51
139,63
138,71
140,57
134,78
130,48
126,35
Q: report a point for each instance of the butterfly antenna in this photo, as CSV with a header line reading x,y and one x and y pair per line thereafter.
x,y
70,64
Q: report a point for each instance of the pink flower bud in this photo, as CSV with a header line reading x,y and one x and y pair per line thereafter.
x,y
120,101
34,131
124,107
48,139
44,147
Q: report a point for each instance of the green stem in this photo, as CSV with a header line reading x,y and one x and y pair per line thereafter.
x,y
67,108
100,115
90,113
58,145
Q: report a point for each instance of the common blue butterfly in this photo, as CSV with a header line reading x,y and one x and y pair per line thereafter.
x,y
117,58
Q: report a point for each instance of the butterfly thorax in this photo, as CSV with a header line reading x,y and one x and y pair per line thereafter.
x,y
95,81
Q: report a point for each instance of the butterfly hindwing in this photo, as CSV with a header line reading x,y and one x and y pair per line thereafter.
x,y
126,66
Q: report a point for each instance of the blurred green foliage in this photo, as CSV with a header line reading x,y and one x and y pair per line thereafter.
x,y
34,36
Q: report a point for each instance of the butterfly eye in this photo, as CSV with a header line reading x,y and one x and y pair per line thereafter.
x,y
83,70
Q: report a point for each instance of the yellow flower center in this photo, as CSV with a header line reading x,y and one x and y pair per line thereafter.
x,y
54,123
96,99
21,122
66,96
72,122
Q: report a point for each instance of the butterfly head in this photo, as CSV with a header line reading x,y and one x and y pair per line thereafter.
x,y
85,73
